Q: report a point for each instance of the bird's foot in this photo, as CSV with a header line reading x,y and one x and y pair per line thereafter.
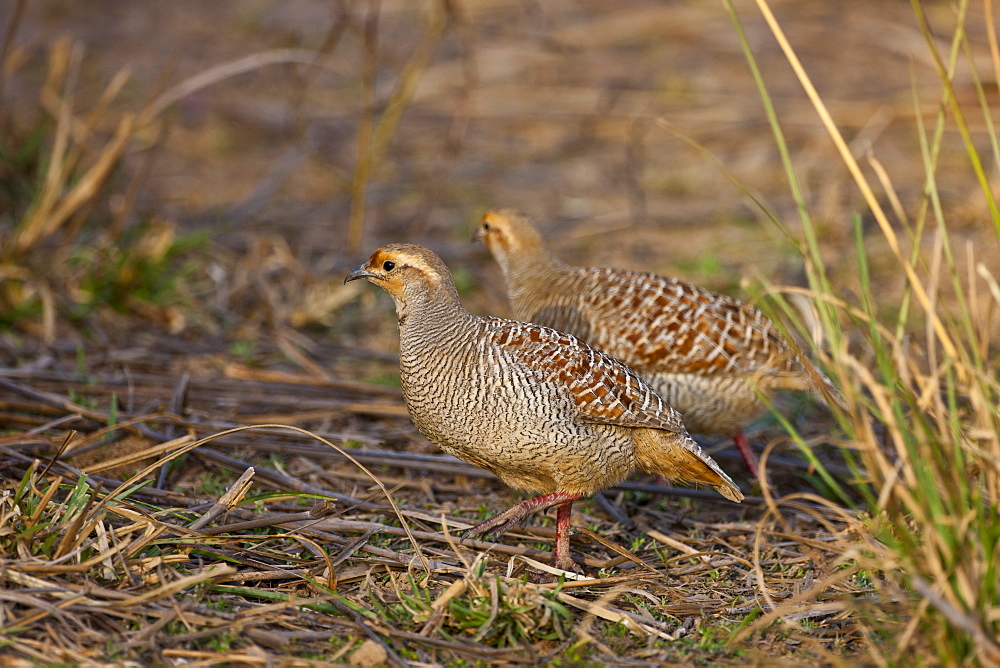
x,y
498,525
567,564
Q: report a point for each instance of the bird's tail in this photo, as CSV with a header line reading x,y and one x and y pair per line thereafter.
x,y
676,456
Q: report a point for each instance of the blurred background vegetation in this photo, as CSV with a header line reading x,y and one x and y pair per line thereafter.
x,y
137,136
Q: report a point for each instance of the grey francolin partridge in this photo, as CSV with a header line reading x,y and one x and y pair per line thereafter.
x,y
543,411
707,355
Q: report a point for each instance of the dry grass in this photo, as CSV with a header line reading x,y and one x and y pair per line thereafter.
x,y
141,520
310,541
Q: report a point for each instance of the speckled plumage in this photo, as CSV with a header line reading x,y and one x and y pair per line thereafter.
x,y
704,353
542,410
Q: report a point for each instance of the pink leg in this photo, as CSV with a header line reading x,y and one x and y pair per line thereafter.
x,y
740,439
508,519
562,559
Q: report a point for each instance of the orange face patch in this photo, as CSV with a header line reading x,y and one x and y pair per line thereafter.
x,y
403,261
377,258
496,237
394,266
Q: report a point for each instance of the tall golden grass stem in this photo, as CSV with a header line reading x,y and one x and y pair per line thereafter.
x,y
855,170
44,222
991,35
945,74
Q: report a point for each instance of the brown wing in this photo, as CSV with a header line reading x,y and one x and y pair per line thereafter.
x,y
662,324
604,390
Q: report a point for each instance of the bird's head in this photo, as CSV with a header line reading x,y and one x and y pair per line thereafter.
x,y
509,234
404,269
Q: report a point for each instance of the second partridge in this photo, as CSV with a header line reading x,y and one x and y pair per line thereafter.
x,y
543,411
708,355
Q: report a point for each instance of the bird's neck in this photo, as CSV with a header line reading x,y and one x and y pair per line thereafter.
x,y
429,315
532,272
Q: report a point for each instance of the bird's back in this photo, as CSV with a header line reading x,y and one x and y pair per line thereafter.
x,y
660,324
707,354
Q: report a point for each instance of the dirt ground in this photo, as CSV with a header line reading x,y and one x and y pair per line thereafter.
x,y
584,115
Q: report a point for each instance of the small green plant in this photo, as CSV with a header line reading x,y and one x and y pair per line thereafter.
x,y
244,350
492,610
220,643
384,378
40,525
211,485
142,268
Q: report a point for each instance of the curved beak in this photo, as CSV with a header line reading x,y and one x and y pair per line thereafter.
x,y
479,234
360,271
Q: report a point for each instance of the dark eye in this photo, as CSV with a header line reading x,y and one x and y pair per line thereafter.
x,y
486,227
388,265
